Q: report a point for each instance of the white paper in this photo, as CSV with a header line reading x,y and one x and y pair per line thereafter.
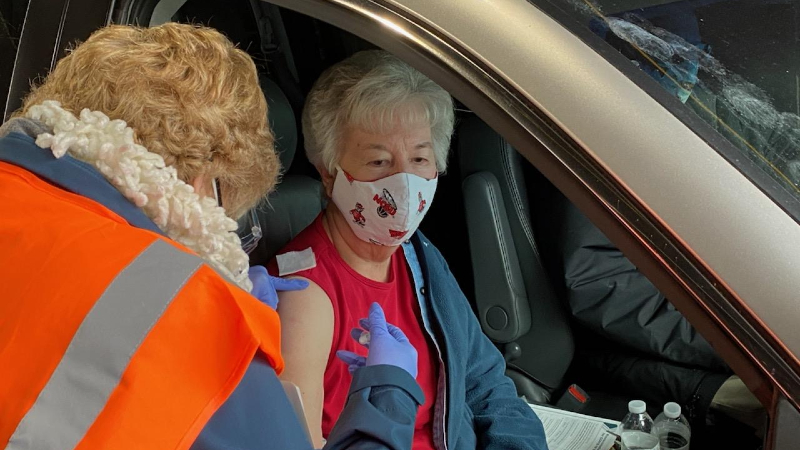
x,y
566,430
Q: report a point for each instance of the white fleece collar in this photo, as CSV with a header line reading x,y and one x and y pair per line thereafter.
x,y
144,179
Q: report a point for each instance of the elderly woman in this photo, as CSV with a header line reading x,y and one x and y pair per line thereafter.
x,y
379,131
126,314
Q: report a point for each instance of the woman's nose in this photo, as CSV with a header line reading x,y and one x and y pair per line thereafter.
x,y
403,166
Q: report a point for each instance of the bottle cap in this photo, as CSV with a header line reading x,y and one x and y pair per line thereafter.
x,y
672,410
637,406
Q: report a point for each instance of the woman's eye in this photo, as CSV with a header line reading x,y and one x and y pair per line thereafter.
x,y
379,163
420,160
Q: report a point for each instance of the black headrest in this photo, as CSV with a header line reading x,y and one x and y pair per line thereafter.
x,y
281,120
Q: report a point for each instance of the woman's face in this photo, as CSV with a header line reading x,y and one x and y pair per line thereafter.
x,y
407,148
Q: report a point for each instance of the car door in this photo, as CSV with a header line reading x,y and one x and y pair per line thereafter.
x,y
711,231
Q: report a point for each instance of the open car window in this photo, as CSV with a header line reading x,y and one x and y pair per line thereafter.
x,y
735,64
12,15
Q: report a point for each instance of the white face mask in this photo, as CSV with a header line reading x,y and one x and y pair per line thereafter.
x,y
385,211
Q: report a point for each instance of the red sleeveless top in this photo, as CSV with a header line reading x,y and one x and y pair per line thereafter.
x,y
351,295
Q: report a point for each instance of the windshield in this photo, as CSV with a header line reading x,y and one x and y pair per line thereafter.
x,y
733,63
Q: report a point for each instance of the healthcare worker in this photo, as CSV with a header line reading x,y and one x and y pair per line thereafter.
x,y
127,321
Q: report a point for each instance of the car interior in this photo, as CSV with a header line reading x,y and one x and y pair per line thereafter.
x,y
491,208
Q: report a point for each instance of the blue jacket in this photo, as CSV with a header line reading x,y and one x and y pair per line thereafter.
x,y
380,412
482,409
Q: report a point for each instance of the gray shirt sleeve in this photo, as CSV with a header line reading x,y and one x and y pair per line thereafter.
x,y
609,295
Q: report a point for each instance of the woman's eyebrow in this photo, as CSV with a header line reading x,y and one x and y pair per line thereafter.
x,y
373,146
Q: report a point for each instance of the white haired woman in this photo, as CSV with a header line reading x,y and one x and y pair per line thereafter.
x,y
379,132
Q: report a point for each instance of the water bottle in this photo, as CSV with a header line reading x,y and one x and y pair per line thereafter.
x,y
636,429
672,428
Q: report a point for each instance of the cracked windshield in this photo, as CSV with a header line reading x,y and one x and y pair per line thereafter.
x,y
733,63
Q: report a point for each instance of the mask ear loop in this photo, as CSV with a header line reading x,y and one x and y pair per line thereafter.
x,y
346,175
217,190
250,241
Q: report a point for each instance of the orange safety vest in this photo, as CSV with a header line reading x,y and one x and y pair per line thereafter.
x,y
112,336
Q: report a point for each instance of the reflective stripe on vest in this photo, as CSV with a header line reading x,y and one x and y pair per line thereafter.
x,y
102,347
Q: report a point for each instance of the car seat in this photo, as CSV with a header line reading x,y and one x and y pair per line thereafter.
x,y
297,199
515,301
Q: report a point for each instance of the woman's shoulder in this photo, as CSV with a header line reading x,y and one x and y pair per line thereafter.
x,y
312,237
309,255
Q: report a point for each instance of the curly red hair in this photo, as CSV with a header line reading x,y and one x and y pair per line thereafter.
x,y
189,94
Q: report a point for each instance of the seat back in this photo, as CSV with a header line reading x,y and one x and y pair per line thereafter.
x,y
516,303
297,199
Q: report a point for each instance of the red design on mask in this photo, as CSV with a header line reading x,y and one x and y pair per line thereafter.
x,y
422,202
349,177
357,216
397,234
386,204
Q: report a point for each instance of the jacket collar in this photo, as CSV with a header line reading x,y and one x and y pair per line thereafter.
x,y
17,147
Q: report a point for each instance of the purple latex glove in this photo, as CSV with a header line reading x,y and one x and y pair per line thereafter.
x,y
388,345
266,287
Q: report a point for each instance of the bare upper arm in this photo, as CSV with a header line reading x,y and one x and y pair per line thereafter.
x,y
306,337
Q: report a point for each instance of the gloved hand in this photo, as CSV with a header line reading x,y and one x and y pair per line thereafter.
x,y
266,287
388,345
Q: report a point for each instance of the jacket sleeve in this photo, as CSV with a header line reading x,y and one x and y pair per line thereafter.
x,y
380,412
502,420
611,297
379,415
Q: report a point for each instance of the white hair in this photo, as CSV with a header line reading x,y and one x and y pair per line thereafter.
x,y
372,90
